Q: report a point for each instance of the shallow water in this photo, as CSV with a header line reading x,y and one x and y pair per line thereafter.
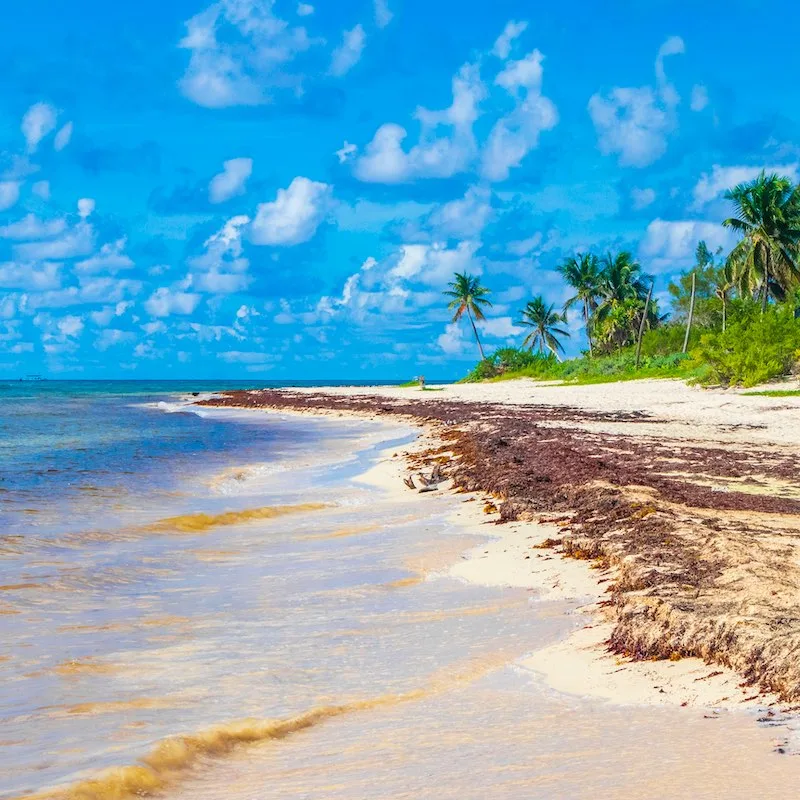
x,y
226,580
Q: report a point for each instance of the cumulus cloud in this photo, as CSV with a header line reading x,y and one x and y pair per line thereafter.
x,y
221,268
346,152
165,302
39,121
111,259
383,14
699,98
31,227
513,136
641,198
464,218
74,242
9,194
30,277
668,245
634,123
240,53
63,137
70,325
714,185
447,144
348,53
505,41
294,216
435,156
434,264
304,10
231,181
85,207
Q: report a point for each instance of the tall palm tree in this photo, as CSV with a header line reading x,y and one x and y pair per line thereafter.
x,y
468,296
543,320
582,272
768,220
623,289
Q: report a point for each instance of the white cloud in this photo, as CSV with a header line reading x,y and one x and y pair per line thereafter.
x,y
41,189
221,268
435,156
452,340
699,98
348,53
110,259
434,264
304,10
295,214
38,122
151,328
70,326
246,357
62,138
78,241
669,244
113,336
383,14
102,317
346,152
31,227
9,194
231,181
500,328
31,277
712,186
164,302
503,44
85,207
634,123
464,218
516,134
641,198
240,52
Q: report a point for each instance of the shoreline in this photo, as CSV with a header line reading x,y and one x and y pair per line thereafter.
x,y
521,553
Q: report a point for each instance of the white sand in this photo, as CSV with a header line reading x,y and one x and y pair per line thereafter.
x,y
581,664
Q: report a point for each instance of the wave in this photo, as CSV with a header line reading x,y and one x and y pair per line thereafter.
x,y
201,522
171,758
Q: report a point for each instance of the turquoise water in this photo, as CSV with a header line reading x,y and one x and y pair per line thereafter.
x,y
165,568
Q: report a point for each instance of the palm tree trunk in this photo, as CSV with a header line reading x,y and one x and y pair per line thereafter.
x,y
477,338
641,324
724,312
765,296
691,314
588,329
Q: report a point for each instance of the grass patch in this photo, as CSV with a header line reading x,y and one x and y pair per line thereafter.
x,y
774,393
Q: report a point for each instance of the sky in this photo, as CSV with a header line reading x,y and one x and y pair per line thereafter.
x,y
274,190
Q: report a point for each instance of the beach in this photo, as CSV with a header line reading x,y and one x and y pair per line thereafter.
x,y
685,498
300,622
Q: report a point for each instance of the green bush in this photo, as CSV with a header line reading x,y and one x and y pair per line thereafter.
x,y
753,349
668,339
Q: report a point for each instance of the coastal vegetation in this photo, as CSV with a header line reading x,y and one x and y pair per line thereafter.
x,y
733,319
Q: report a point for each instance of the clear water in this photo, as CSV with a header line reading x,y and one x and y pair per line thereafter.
x,y
166,573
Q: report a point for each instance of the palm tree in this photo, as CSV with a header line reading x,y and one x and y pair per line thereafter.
x,y
582,272
543,321
623,288
768,221
468,296
723,284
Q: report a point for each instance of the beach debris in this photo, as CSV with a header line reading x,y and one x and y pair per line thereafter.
x,y
409,481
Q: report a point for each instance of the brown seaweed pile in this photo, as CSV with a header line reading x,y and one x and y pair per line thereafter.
x,y
705,538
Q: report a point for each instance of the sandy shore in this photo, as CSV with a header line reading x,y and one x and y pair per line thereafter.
x,y
673,553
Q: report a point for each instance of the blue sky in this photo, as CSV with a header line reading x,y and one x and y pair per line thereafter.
x,y
273,190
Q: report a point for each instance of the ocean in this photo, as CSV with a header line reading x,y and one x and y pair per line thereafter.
x,y
218,604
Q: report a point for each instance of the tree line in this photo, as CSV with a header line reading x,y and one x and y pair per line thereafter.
x,y
614,294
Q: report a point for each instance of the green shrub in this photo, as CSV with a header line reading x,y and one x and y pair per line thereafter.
x,y
753,349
